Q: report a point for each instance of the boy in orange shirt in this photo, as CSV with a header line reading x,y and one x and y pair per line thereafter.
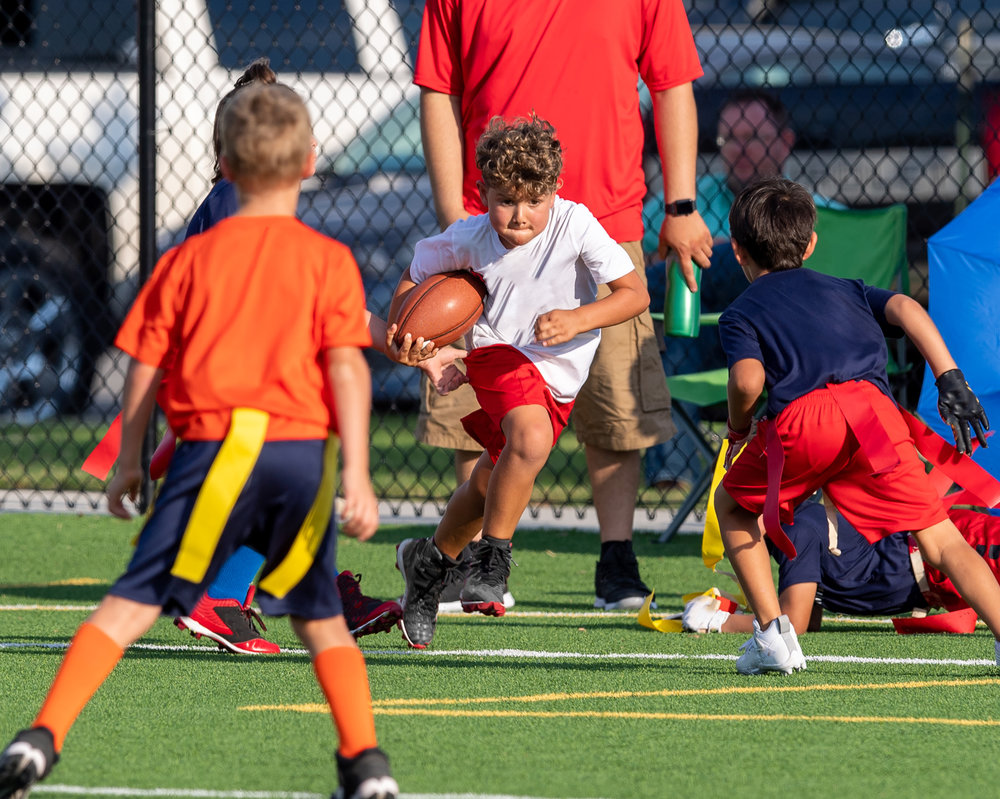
x,y
266,320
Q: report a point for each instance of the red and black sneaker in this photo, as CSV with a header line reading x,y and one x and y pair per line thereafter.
x,y
230,624
364,614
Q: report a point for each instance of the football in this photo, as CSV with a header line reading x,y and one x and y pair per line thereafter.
x,y
442,308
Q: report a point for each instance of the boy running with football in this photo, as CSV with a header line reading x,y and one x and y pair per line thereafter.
x,y
541,258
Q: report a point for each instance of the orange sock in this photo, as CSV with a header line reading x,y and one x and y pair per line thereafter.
x,y
344,679
91,657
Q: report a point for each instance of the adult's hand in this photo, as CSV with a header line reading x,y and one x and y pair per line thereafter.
x,y
689,238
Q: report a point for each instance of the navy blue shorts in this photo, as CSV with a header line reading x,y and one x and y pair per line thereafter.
x,y
865,579
283,510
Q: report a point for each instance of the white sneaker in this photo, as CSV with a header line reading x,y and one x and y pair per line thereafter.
x,y
703,614
455,605
775,648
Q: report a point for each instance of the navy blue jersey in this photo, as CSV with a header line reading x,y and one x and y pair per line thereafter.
x,y
220,203
809,329
865,579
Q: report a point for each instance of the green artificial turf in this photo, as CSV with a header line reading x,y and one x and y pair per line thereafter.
x,y
552,700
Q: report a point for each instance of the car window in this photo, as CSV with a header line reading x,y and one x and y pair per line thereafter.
x,y
34,35
245,31
389,144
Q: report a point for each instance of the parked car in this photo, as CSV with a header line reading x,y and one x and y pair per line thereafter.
x,y
68,152
375,197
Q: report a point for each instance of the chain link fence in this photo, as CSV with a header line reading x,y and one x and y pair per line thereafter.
x,y
890,102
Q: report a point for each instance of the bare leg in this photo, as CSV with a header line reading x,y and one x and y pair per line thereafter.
x,y
320,634
747,552
465,462
614,481
529,440
124,621
463,517
944,548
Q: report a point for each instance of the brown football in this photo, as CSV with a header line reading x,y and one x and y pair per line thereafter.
x,y
442,308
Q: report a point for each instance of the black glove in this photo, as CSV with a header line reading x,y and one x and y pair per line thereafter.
x,y
960,409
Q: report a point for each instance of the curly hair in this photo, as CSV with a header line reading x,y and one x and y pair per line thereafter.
x,y
522,156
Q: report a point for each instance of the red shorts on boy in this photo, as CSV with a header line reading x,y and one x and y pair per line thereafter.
x,y
822,451
504,379
982,531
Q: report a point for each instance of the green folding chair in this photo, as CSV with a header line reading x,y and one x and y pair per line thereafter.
x,y
866,244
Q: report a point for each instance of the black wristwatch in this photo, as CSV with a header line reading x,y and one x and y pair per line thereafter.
x,y
680,208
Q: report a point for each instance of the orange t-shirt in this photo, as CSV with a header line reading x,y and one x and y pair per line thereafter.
x,y
241,315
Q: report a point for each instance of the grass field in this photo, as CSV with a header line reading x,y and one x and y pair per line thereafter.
x,y
553,700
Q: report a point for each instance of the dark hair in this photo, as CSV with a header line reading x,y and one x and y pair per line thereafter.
x,y
775,108
259,71
773,220
523,156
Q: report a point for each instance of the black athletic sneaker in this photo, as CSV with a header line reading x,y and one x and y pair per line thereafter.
x,y
487,581
424,568
365,776
26,760
451,594
617,584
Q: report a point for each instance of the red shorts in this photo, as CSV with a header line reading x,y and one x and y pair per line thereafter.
x,y
504,379
822,451
982,531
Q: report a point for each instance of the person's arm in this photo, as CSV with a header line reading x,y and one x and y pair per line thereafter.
x,y
958,405
350,382
139,396
675,117
905,312
798,602
405,285
441,134
746,384
628,298
441,369
409,353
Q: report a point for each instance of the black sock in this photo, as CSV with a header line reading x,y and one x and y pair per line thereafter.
x,y
607,545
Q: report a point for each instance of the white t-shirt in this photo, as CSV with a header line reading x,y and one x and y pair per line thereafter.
x,y
559,269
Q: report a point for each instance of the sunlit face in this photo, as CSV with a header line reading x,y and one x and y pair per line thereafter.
x,y
751,143
517,220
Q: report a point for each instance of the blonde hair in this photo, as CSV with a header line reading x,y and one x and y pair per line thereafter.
x,y
522,156
259,71
266,136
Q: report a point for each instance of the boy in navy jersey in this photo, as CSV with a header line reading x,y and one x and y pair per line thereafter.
x,y
817,345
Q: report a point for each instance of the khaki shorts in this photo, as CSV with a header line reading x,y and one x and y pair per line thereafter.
x,y
623,406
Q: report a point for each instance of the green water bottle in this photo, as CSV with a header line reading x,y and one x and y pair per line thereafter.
x,y
682,309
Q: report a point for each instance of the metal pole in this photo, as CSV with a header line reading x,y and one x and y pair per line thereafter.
x,y
147,191
963,123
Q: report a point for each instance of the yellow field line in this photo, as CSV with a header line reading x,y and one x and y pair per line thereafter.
x,y
59,583
750,689
446,707
653,716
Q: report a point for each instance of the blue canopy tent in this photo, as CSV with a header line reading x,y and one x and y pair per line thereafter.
x,y
964,284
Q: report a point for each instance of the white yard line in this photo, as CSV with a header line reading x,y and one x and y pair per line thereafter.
x,y
527,654
194,793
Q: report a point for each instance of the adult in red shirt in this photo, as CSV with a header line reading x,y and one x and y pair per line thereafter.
x,y
577,65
